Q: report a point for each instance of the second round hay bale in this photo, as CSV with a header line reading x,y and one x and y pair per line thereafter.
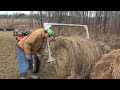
x,y
75,56
108,67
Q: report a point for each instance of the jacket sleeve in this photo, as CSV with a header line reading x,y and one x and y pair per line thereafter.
x,y
29,42
41,50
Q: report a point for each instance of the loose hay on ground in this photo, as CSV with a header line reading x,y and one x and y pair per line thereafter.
x,y
108,67
75,56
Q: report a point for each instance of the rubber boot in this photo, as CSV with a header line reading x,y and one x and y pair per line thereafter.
x,y
23,76
31,75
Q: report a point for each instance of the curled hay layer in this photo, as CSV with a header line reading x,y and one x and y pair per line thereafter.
x,y
75,56
108,67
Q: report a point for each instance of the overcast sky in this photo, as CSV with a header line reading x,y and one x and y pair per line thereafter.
x,y
12,12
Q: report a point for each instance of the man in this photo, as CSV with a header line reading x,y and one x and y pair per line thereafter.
x,y
29,45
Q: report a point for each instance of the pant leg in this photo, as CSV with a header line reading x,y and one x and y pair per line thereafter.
x,y
22,62
30,64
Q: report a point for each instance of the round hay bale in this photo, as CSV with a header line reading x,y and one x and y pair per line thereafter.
x,y
75,56
108,67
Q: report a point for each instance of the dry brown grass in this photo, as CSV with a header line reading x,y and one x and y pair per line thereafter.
x,y
8,61
17,23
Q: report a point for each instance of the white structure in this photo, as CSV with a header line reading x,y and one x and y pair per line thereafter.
x,y
48,25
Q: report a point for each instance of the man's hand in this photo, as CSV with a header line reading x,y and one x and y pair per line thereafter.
x,y
30,62
28,57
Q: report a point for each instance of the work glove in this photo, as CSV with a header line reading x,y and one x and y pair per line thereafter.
x,y
28,57
30,61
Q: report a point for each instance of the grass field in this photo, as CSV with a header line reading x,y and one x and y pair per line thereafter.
x,y
9,62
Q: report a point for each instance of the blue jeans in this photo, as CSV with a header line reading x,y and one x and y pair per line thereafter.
x,y
23,64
